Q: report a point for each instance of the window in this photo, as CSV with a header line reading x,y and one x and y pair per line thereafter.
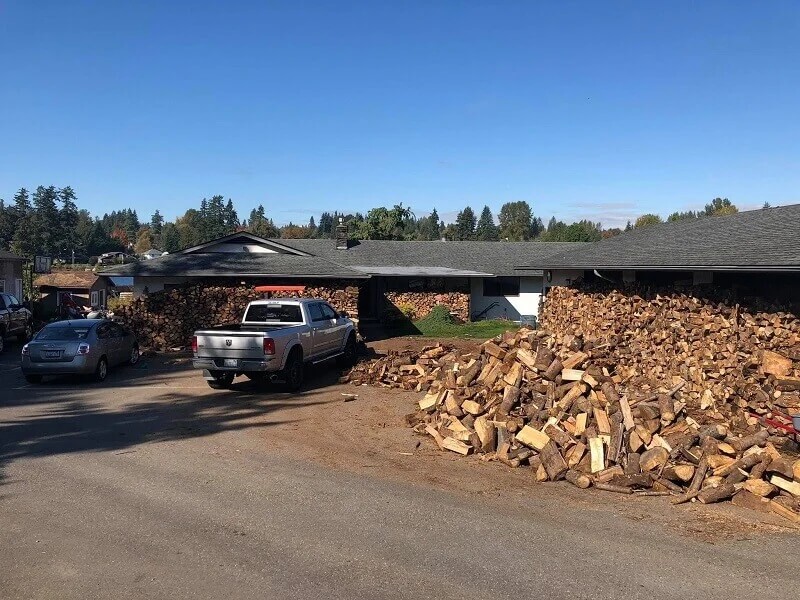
x,y
18,283
93,299
327,312
501,286
12,300
63,333
2,285
117,330
104,331
315,310
273,313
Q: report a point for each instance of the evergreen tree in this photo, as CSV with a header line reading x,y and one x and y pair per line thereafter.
x,y
325,226
156,223
68,218
260,225
45,226
170,238
230,217
428,227
486,230
465,224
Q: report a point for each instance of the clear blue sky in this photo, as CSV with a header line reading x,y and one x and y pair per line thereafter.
x,y
602,110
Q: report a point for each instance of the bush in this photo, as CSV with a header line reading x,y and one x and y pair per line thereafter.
x,y
92,261
409,310
114,304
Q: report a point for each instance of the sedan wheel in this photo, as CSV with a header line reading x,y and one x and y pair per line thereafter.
x,y
134,355
101,372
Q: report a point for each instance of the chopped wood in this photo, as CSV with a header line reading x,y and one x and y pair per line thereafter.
x,y
553,462
578,479
653,459
792,487
532,437
716,494
759,487
607,487
450,443
596,452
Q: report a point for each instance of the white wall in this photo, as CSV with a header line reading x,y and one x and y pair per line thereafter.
x,y
154,284
563,277
510,307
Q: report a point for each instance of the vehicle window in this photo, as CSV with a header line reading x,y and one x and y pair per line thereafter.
x,y
12,300
328,312
273,313
315,310
103,331
63,333
116,330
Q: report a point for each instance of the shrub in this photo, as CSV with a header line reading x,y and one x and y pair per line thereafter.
x,y
92,261
409,310
114,304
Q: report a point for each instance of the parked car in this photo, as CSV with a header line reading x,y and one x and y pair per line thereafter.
x,y
79,347
15,320
275,340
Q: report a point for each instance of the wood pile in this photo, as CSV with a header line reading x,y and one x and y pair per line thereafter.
x,y
422,303
736,359
525,400
167,319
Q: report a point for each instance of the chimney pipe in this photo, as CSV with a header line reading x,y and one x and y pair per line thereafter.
x,y
342,243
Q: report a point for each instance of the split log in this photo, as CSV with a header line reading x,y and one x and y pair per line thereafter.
x,y
716,494
578,479
553,462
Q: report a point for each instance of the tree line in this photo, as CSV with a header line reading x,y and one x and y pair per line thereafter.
x,y
718,207
49,222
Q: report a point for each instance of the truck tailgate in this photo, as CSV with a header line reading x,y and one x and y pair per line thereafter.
x,y
231,344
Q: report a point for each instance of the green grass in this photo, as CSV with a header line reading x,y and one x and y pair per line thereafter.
x,y
439,323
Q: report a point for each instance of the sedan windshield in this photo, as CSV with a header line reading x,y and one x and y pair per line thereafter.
x,y
63,333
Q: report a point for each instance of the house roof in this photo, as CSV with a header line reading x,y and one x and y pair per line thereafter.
x,y
6,255
67,280
433,259
234,264
756,240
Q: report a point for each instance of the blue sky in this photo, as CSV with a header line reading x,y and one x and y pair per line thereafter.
x,y
602,110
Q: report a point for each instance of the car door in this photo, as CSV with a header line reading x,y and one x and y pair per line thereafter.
x,y
109,343
17,314
319,329
334,331
122,349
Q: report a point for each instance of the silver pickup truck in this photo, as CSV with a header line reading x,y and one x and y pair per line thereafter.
x,y
275,340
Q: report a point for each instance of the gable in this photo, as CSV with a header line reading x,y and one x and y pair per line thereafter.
x,y
243,243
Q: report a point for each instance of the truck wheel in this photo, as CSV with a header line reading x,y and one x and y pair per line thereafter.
x,y
25,335
294,371
348,357
221,382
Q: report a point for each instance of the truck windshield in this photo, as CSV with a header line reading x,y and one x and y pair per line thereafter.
x,y
273,313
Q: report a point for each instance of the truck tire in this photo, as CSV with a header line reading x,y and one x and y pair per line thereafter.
x,y
294,371
348,356
25,335
221,381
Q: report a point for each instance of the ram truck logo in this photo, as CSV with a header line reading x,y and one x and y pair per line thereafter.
x,y
228,342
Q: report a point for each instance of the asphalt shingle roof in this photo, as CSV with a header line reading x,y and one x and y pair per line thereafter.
x,y
495,258
757,240
72,280
222,264
6,255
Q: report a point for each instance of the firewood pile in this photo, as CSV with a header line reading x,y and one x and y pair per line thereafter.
x,y
167,319
732,356
417,305
525,400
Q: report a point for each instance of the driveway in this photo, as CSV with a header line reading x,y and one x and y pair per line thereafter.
x,y
153,485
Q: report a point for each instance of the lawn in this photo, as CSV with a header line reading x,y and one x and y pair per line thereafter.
x,y
439,323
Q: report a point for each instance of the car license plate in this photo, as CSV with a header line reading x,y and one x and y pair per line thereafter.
x,y
230,362
52,353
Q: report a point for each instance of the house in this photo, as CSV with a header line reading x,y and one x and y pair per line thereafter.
x,y
111,257
152,253
757,252
86,288
480,274
11,273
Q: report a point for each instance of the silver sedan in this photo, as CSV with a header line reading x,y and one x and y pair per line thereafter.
x,y
78,347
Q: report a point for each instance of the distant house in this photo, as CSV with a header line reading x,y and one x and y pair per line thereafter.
x,y
110,258
86,288
152,253
11,273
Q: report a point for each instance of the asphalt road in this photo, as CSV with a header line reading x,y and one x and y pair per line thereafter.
x,y
153,486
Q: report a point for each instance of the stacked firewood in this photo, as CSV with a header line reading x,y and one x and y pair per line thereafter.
x,y
731,355
167,319
523,399
418,305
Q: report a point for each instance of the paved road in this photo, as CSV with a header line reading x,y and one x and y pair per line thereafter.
x,y
152,487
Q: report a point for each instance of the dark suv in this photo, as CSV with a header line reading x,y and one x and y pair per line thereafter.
x,y
15,319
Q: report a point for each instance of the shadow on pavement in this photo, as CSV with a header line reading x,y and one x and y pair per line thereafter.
x,y
69,415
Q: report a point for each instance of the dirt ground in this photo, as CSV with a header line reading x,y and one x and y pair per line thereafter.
x,y
367,434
